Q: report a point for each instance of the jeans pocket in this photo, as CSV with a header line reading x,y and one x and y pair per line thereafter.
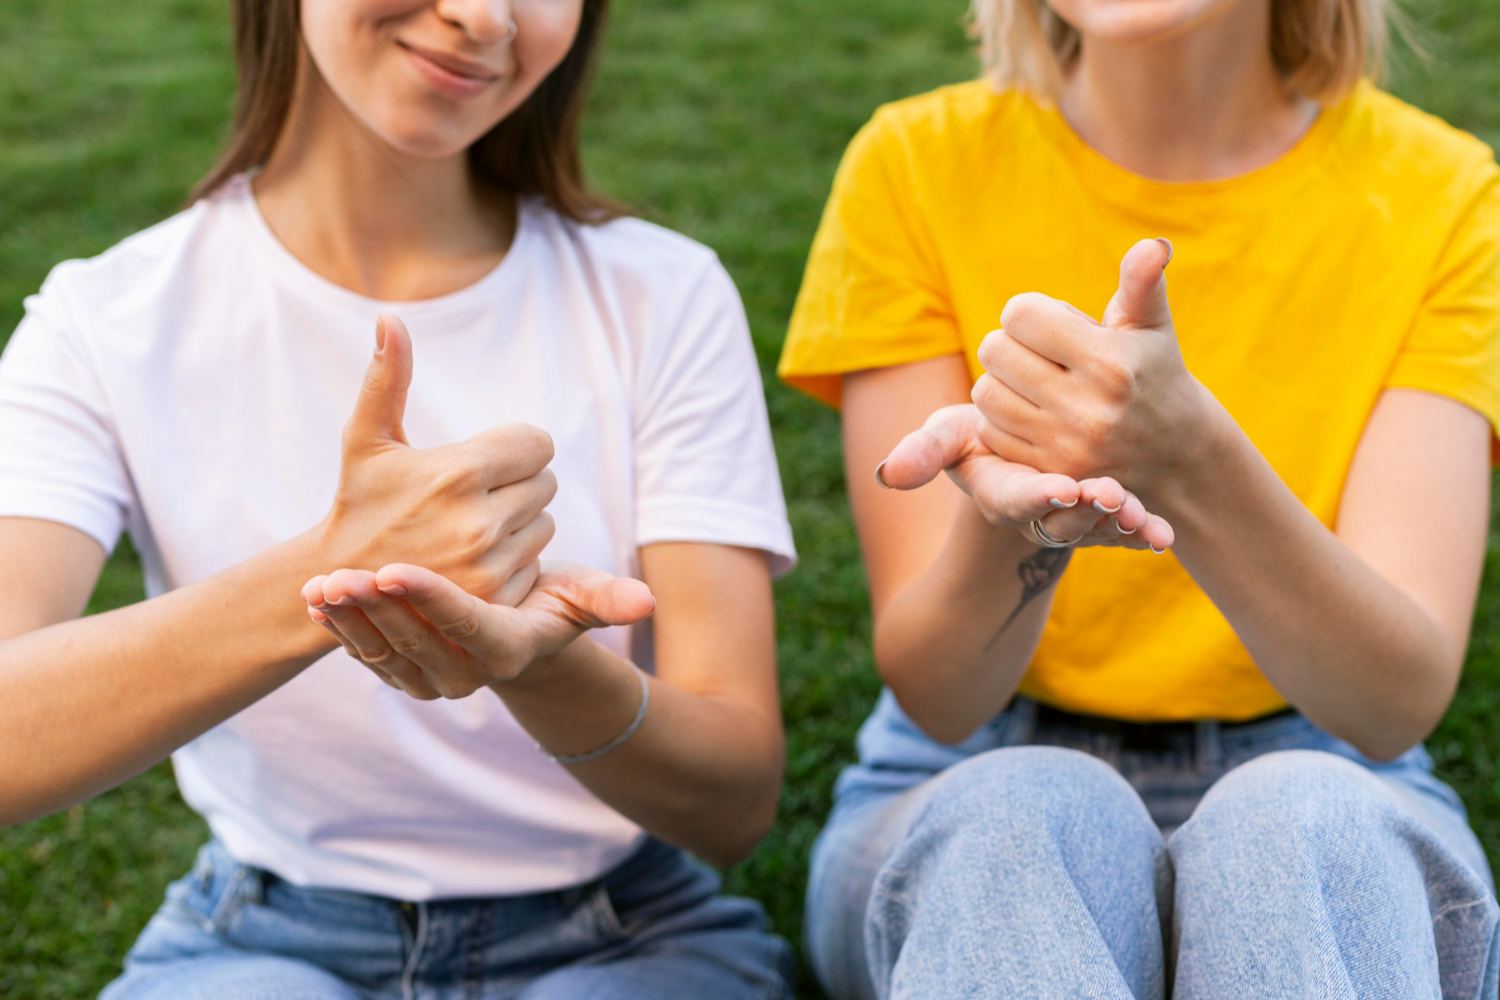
x,y
212,894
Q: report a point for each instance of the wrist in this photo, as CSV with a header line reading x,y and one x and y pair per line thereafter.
x,y
1199,463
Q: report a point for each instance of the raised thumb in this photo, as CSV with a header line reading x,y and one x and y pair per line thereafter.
x,y
1141,300
921,455
381,407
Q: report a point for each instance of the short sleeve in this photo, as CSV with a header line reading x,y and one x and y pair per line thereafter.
x,y
1453,348
705,467
874,294
59,457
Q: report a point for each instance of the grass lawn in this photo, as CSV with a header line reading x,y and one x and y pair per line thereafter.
x,y
724,120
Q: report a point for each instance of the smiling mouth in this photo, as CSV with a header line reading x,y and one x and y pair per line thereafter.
x,y
448,73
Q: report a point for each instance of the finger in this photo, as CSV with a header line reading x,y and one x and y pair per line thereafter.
x,y
1016,495
1157,533
1141,300
1132,515
459,617
322,619
344,590
1049,327
515,589
942,440
312,592
1007,409
1030,375
1070,525
446,668
519,567
601,598
1103,495
509,453
518,504
381,406
1011,447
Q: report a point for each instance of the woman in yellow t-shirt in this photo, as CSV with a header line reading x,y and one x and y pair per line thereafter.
x,y
1305,420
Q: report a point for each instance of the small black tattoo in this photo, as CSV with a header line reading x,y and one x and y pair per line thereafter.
x,y
1038,572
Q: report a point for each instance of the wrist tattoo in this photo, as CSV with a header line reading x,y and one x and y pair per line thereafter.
x,y
1038,571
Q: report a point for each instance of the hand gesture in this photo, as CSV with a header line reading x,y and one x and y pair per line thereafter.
x,y
1010,494
471,511
1111,398
424,635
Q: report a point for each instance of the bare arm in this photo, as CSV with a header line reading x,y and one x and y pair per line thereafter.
x,y
1363,628
703,771
959,596
87,703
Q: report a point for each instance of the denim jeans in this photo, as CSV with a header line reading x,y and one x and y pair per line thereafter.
x,y
1044,858
653,927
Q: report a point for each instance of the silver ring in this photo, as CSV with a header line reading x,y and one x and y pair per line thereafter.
x,y
1040,535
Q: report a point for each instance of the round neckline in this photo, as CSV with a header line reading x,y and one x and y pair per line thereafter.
x,y
302,274
1104,174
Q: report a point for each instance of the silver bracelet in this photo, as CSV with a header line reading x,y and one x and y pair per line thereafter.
x,y
618,741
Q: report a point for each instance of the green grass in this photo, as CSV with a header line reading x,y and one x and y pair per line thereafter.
x,y
722,120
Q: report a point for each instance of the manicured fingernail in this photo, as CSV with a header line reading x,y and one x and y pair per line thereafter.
x,y
1157,550
394,589
1168,244
1120,529
317,616
1106,510
880,478
380,335
342,602
1057,504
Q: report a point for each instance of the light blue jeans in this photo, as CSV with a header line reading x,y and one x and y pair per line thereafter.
x,y
653,927
1052,857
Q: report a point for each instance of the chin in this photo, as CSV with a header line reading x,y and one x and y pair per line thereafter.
x,y
1138,21
423,138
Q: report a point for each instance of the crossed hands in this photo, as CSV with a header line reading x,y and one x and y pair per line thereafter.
x,y
1092,403
481,609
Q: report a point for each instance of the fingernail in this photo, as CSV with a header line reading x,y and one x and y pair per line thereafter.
x,y
1106,510
1168,244
1057,504
1157,550
342,602
879,478
394,589
1120,529
317,616
380,335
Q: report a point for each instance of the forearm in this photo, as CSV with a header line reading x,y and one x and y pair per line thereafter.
x,y
1343,644
703,771
955,643
89,703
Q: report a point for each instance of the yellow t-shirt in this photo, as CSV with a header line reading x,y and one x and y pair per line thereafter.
x,y
1367,256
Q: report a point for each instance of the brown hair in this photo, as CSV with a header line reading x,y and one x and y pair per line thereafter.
x,y
1321,47
534,150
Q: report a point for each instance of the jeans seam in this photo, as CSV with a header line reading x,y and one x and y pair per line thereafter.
x,y
419,941
1455,907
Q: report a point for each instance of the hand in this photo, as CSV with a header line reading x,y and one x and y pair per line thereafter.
x,y
1092,512
424,635
1095,399
471,511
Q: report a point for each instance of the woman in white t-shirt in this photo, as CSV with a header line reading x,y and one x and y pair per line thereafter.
x,y
485,810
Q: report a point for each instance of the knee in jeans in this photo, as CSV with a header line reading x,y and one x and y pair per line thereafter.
x,y
1290,793
1021,793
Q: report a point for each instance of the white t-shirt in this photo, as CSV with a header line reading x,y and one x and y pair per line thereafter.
x,y
190,386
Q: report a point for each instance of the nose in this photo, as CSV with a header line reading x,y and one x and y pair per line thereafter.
x,y
485,21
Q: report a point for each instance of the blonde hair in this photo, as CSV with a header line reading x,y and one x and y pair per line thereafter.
x,y
1322,47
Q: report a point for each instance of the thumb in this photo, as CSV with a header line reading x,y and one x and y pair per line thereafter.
x,y
381,406
1142,297
921,455
597,598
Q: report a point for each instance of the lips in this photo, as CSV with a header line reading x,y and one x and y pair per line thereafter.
x,y
449,73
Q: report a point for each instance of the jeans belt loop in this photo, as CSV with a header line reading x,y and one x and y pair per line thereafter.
x,y
1210,745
